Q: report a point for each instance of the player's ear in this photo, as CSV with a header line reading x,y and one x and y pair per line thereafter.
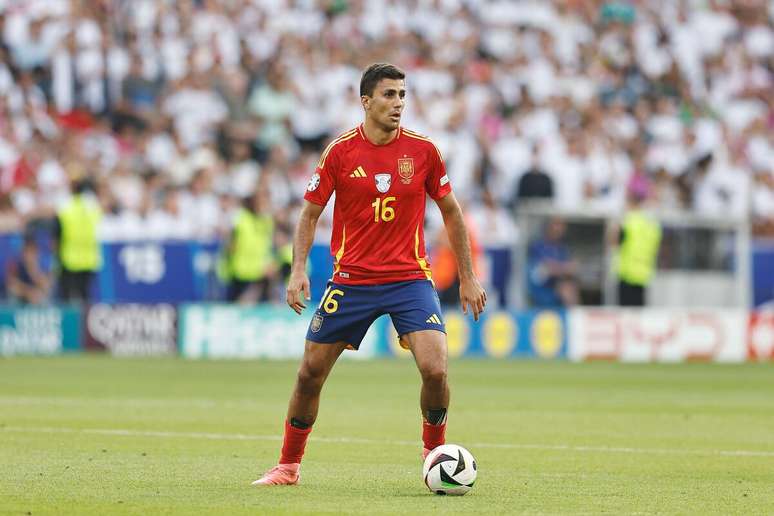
x,y
365,101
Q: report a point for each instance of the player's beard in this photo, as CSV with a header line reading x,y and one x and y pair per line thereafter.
x,y
392,123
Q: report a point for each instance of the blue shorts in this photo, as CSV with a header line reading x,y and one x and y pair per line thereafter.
x,y
347,311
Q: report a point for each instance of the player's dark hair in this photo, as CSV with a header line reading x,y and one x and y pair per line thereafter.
x,y
82,185
375,73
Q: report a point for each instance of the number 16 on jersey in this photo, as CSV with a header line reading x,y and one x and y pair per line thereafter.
x,y
383,210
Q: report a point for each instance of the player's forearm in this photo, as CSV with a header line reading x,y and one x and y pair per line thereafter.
x,y
460,243
302,241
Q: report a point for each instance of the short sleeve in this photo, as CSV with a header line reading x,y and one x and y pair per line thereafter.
x,y
437,183
322,183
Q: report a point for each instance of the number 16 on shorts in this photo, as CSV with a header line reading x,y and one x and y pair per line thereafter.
x,y
329,303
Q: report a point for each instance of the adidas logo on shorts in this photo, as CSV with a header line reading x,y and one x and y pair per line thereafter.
x,y
434,319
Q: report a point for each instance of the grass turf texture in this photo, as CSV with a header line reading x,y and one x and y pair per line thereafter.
x,y
95,435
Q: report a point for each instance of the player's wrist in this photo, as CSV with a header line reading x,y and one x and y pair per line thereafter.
x,y
297,273
467,277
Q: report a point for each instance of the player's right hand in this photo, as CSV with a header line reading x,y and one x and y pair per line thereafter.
x,y
472,295
298,291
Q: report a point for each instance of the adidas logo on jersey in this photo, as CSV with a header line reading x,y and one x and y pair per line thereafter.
x,y
359,172
434,319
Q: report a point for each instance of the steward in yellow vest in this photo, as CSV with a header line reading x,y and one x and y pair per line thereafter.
x,y
250,260
640,238
284,245
77,243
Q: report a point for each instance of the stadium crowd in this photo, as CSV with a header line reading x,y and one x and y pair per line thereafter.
x,y
178,110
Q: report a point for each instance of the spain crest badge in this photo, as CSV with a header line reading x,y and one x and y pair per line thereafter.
x,y
317,321
406,169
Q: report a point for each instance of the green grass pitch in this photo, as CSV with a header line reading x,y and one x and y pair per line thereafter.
x,y
98,435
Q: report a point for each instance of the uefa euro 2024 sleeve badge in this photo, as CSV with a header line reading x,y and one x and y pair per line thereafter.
x,y
383,182
314,182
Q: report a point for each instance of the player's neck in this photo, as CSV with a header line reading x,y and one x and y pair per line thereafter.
x,y
376,134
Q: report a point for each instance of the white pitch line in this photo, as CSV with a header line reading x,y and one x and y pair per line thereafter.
x,y
61,401
357,440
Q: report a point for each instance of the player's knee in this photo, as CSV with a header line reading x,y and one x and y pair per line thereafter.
x,y
310,377
434,375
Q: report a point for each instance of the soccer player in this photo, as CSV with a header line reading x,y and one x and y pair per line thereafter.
x,y
381,173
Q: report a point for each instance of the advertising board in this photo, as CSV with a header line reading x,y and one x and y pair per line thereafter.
x,y
657,335
760,336
497,334
132,329
230,331
39,331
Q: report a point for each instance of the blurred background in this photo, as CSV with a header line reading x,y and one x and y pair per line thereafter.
x,y
154,154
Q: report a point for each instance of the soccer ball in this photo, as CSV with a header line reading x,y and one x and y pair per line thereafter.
x,y
449,470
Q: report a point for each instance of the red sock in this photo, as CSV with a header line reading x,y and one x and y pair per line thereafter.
x,y
433,435
294,443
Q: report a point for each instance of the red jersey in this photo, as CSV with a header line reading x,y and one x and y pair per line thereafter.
x,y
379,210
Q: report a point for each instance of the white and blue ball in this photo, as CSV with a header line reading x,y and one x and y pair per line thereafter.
x,y
449,470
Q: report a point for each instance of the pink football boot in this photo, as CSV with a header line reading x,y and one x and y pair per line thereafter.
x,y
280,475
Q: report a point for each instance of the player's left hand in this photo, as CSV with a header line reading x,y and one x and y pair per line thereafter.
x,y
472,295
